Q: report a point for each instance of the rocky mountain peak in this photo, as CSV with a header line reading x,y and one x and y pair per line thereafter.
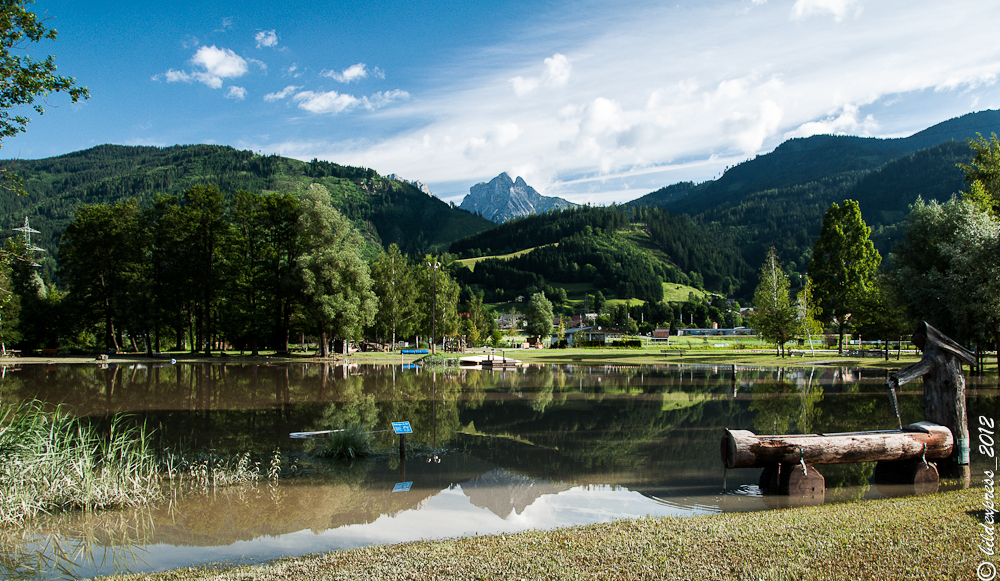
x,y
503,199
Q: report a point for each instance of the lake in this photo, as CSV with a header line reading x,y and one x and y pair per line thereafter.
x,y
491,451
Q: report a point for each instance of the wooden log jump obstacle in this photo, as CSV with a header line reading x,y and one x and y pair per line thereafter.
x,y
789,461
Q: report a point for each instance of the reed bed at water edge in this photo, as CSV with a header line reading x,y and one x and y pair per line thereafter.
x,y
52,461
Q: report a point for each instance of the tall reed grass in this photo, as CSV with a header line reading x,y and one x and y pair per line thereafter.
x,y
351,443
51,461
204,468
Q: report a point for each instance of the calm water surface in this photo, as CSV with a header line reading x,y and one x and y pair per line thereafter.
x,y
540,447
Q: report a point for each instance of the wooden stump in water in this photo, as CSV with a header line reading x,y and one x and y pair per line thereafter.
x,y
793,480
923,477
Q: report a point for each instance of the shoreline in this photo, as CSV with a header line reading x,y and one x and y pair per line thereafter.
x,y
588,356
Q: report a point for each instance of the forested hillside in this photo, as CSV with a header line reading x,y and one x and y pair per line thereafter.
x,y
778,199
385,210
627,253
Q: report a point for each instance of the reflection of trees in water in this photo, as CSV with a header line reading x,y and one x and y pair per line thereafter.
x,y
601,416
611,419
780,405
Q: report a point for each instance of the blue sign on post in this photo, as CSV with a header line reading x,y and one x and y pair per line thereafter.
x,y
402,428
402,486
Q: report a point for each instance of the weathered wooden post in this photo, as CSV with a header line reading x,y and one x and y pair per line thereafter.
x,y
944,392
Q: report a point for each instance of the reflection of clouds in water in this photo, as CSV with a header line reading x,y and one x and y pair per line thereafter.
x,y
448,514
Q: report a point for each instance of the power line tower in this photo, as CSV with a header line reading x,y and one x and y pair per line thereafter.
x,y
29,248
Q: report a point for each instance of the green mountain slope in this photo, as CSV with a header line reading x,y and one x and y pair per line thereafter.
x,y
624,253
387,211
778,199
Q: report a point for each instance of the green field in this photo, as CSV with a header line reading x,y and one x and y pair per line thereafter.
x,y
470,263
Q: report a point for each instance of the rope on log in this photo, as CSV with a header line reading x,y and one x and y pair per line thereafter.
x,y
744,449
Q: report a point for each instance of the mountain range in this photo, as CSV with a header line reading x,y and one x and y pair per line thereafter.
x,y
713,234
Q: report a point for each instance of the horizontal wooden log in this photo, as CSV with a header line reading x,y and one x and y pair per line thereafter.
x,y
744,449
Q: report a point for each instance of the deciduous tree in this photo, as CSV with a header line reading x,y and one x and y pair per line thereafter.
x,y
948,268
101,254
539,316
336,285
776,318
394,283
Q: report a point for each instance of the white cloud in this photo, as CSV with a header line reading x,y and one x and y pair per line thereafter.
x,y
383,98
218,64
710,87
557,69
282,94
524,86
847,122
351,73
838,8
556,74
173,76
329,102
266,38
236,93
332,102
748,131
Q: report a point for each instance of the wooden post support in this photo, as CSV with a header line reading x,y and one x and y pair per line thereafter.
x,y
921,476
799,480
402,446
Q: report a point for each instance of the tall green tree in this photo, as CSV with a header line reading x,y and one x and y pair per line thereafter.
x,y
948,269
284,244
245,264
394,282
204,232
538,316
438,301
10,310
336,285
481,320
844,264
807,312
776,318
101,258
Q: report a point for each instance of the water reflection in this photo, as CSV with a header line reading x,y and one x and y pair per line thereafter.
x,y
532,448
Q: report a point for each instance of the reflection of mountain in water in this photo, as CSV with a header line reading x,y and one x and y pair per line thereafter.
x,y
500,491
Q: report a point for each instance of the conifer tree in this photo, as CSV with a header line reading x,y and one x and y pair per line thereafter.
x,y
843,266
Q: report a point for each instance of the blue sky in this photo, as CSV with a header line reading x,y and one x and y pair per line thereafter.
x,y
592,101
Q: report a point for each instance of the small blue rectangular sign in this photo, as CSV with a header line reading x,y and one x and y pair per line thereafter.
x,y
402,487
402,427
